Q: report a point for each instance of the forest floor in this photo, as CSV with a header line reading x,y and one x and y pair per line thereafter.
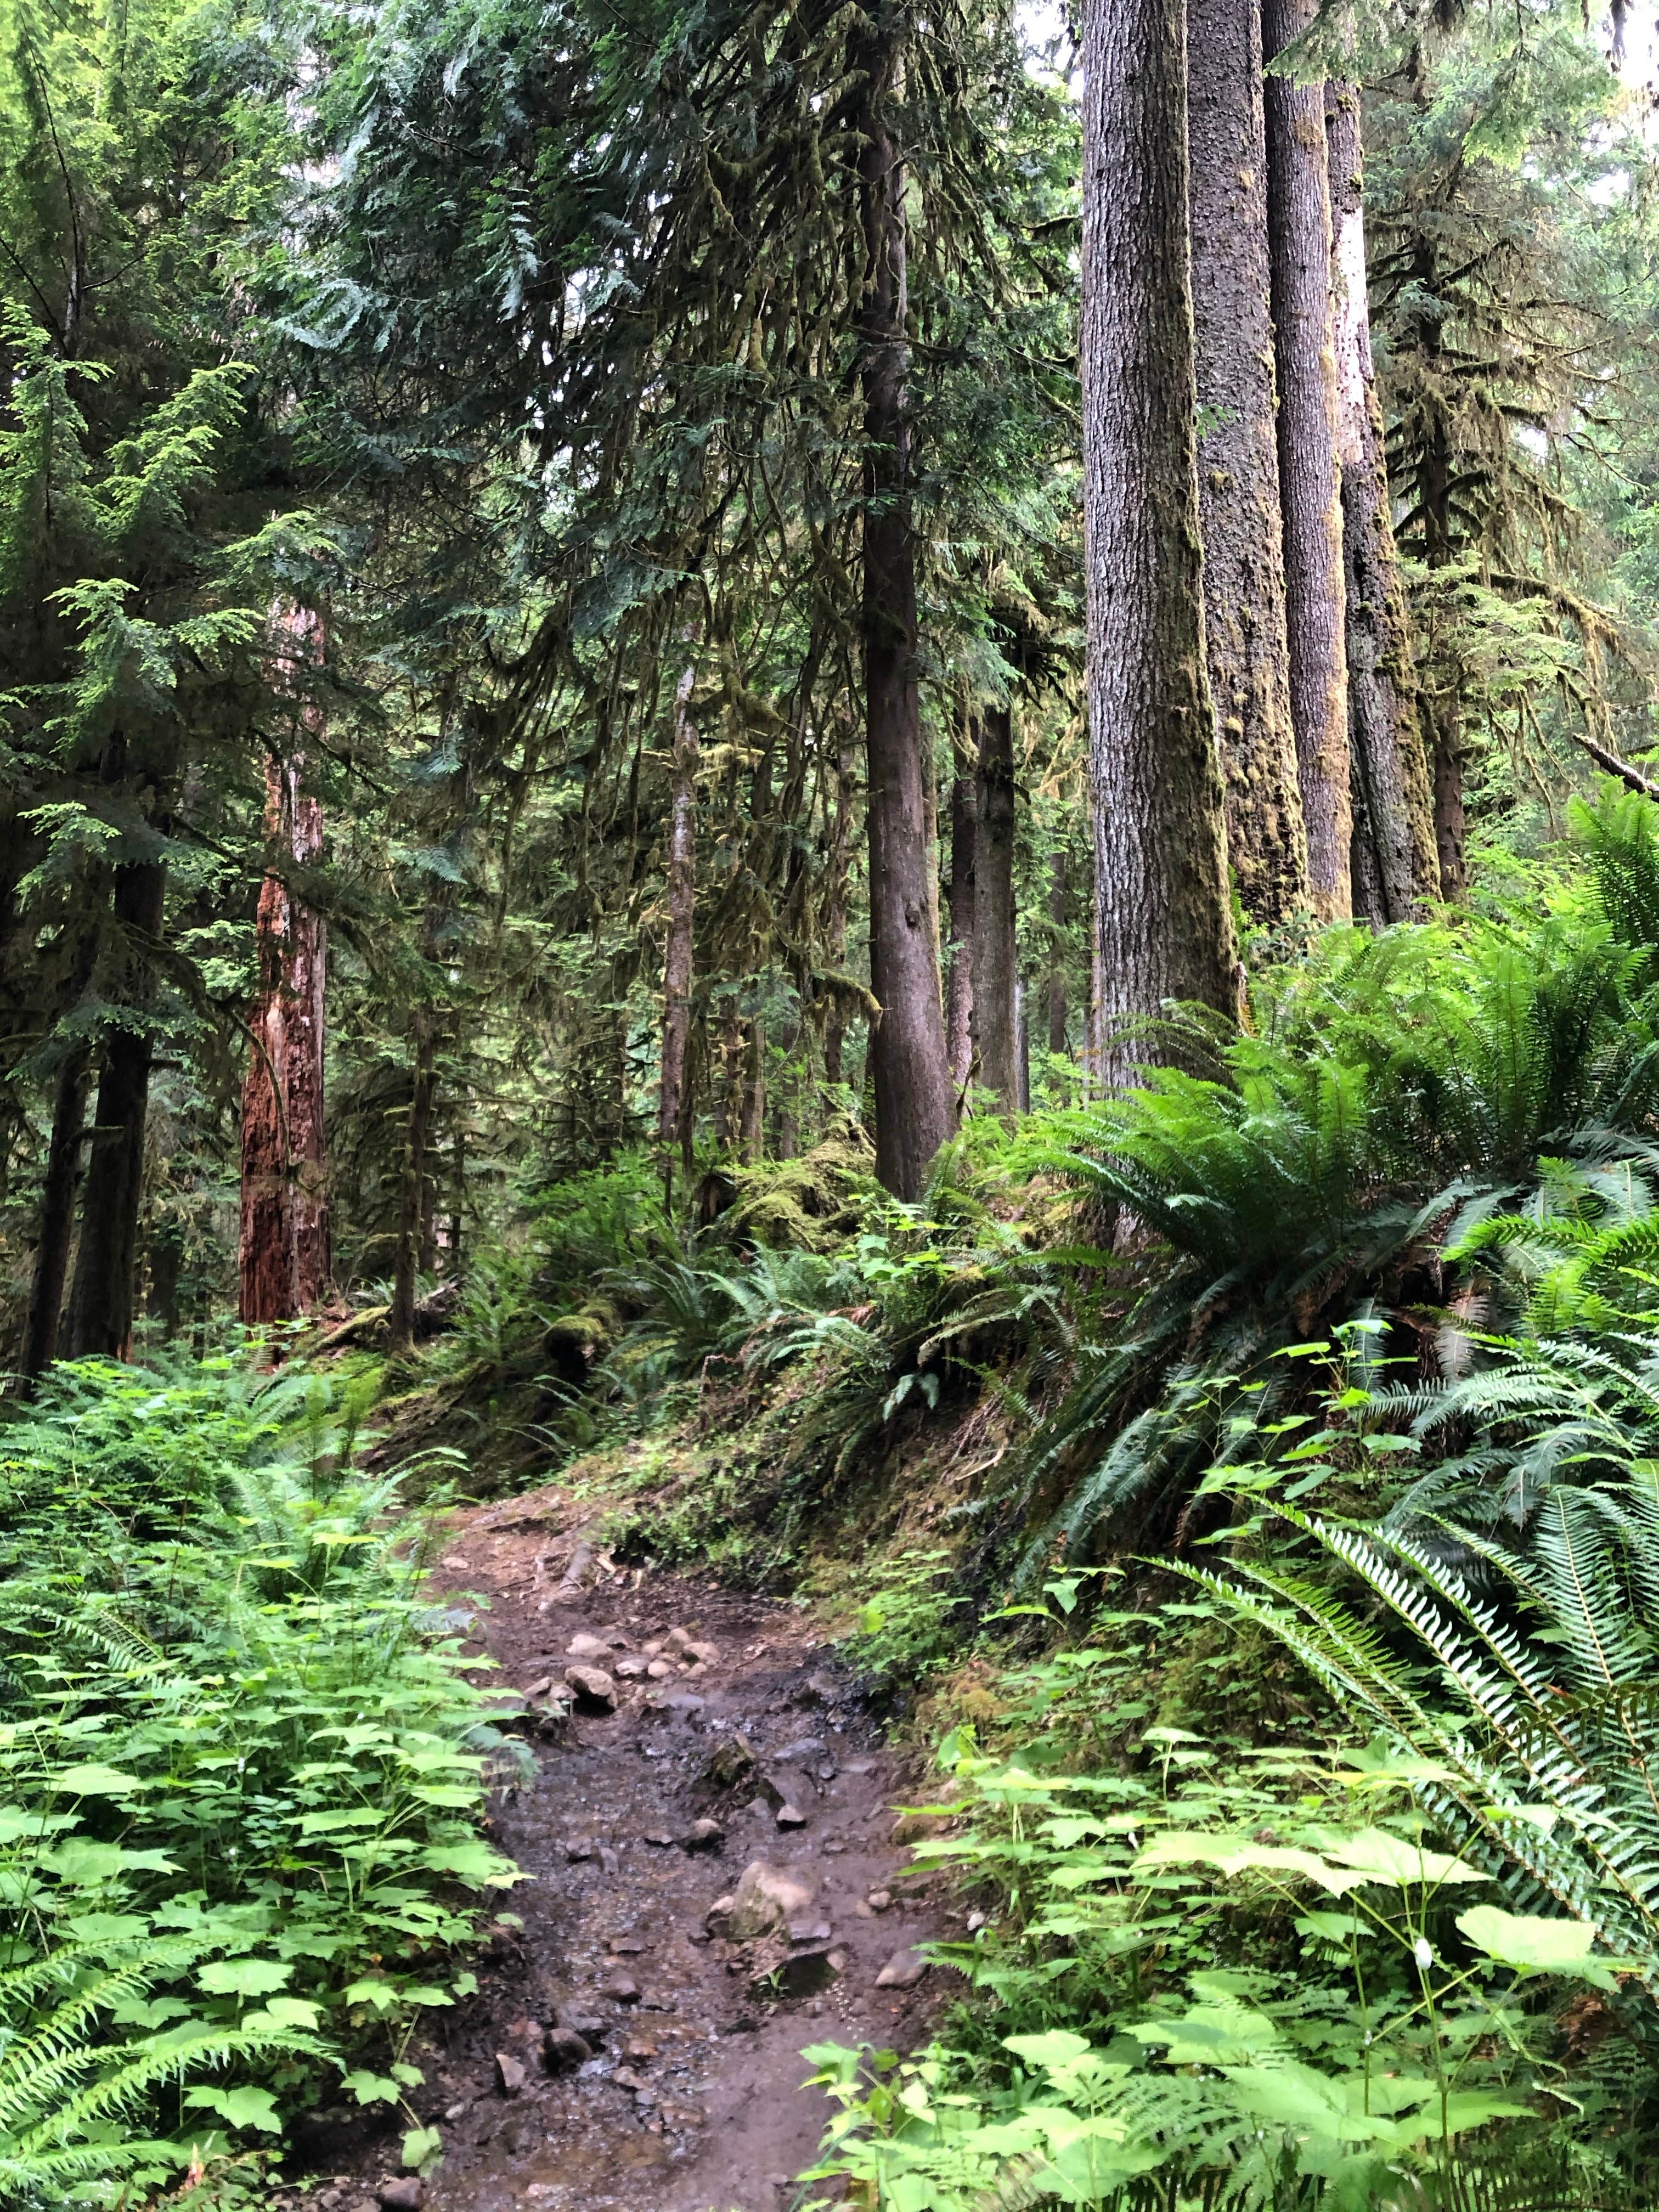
x,y
691,2099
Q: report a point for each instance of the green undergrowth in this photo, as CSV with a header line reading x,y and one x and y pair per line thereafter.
x,y
240,1780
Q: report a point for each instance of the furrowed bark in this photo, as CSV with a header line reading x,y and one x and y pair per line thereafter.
x,y
1164,919
995,1042
1395,864
681,914
959,1004
911,1081
1238,460
1299,218
100,1306
284,1255
834,914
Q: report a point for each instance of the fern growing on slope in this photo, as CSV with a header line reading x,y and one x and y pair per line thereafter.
x,y
1538,1736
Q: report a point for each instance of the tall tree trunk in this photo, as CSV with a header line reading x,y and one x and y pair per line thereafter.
x,y
959,1004
411,1206
1394,857
1441,702
1057,1009
1238,460
284,1250
914,1101
682,911
752,1122
57,1232
100,1306
1299,219
1022,1045
1164,918
834,914
993,910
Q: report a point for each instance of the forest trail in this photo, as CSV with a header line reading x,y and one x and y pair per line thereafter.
x,y
692,2100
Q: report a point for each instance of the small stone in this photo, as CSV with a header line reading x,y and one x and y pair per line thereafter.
x,y
563,2049
879,1899
707,1655
766,1899
791,1816
594,1688
540,1687
684,1704
902,1971
975,1922
509,2074
589,2026
660,1670
609,1862
730,1760
625,1947
639,2048
832,1847
587,1647
625,2078
621,1989
863,1910
805,1747
704,1836
677,1639
459,2111
809,1931
652,1650
816,1690
659,1839
912,1827
406,2194
630,1667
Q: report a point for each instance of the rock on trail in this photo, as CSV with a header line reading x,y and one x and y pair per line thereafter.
x,y
709,1827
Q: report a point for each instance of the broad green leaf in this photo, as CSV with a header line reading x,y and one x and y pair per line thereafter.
x,y
240,2108
371,2088
95,1781
244,1977
1384,1857
1534,1945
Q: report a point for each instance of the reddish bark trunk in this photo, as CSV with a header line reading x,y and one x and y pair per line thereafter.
x,y
959,1005
993,910
284,1255
682,907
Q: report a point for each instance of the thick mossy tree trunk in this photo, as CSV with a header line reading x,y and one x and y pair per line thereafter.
x,y
915,1106
1440,698
1299,230
1162,914
101,1305
993,910
1238,459
959,998
835,909
1395,864
285,1247
681,915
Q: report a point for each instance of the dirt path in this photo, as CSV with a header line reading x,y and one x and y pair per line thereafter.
x,y
691,2100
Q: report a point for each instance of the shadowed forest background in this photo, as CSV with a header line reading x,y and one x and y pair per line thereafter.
x,y
883,780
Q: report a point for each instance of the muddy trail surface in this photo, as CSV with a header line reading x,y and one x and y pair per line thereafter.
x,y
635,2047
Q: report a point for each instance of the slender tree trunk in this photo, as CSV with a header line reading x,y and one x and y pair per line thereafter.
x,y
284,1247
1441,700
993,910
1057,1009
57,1232
914,1101
1238,460
1164,918
100,1306
834,918
681,910
1022,1045
752,1125
411,1208
1394,857
959,1004
1298,200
